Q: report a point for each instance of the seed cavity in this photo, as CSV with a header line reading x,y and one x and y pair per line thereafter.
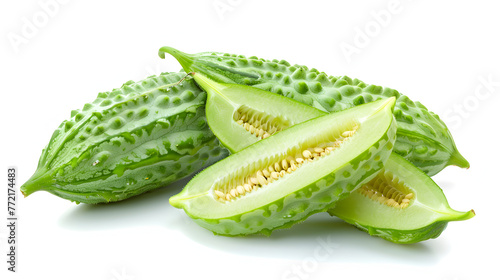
x,y
249,181
389,190
259,124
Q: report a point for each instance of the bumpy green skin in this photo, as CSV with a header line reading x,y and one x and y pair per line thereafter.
x,y
128,141
422,137
404,236
314,198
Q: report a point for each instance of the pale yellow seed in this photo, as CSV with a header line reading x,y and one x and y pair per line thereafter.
x,y
299,160
266,173
282,173
259,173
315,154
284,164
219,194
271,169
405,200
277,167
246,126
310,160
228,197
255,187
329,149
318,150
254,181
289,170
247,187
274,175
233,192
346,134
266,135
262,181
261,132
293,166
390,202
409,196
403,205
244,117
322,154
240,189
240,122
307,154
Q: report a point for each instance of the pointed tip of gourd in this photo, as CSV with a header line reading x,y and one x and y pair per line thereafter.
x,y
175,201
467,215
28,188
186,60
458,160
36,183
391,102
386,104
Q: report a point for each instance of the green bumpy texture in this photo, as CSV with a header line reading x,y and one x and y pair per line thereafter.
x,y
405,236
422,137
128,141
150,133
311,199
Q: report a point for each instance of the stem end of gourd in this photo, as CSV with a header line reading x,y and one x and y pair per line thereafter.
x,y
34,184
186,60
458,160
28,188
462,216
468,215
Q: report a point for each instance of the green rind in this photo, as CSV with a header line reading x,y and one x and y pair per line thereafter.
x,y
313,198
430,231
404,236
133,139
425,139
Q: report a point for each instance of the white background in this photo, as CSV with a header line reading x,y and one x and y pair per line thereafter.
x,y
437,52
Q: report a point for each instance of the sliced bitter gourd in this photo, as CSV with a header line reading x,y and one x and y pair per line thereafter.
x,y
401,204
423,138
133,139
245,194
406,205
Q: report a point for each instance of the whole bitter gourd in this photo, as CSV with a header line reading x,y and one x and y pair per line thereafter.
x,y
130,140
422,137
